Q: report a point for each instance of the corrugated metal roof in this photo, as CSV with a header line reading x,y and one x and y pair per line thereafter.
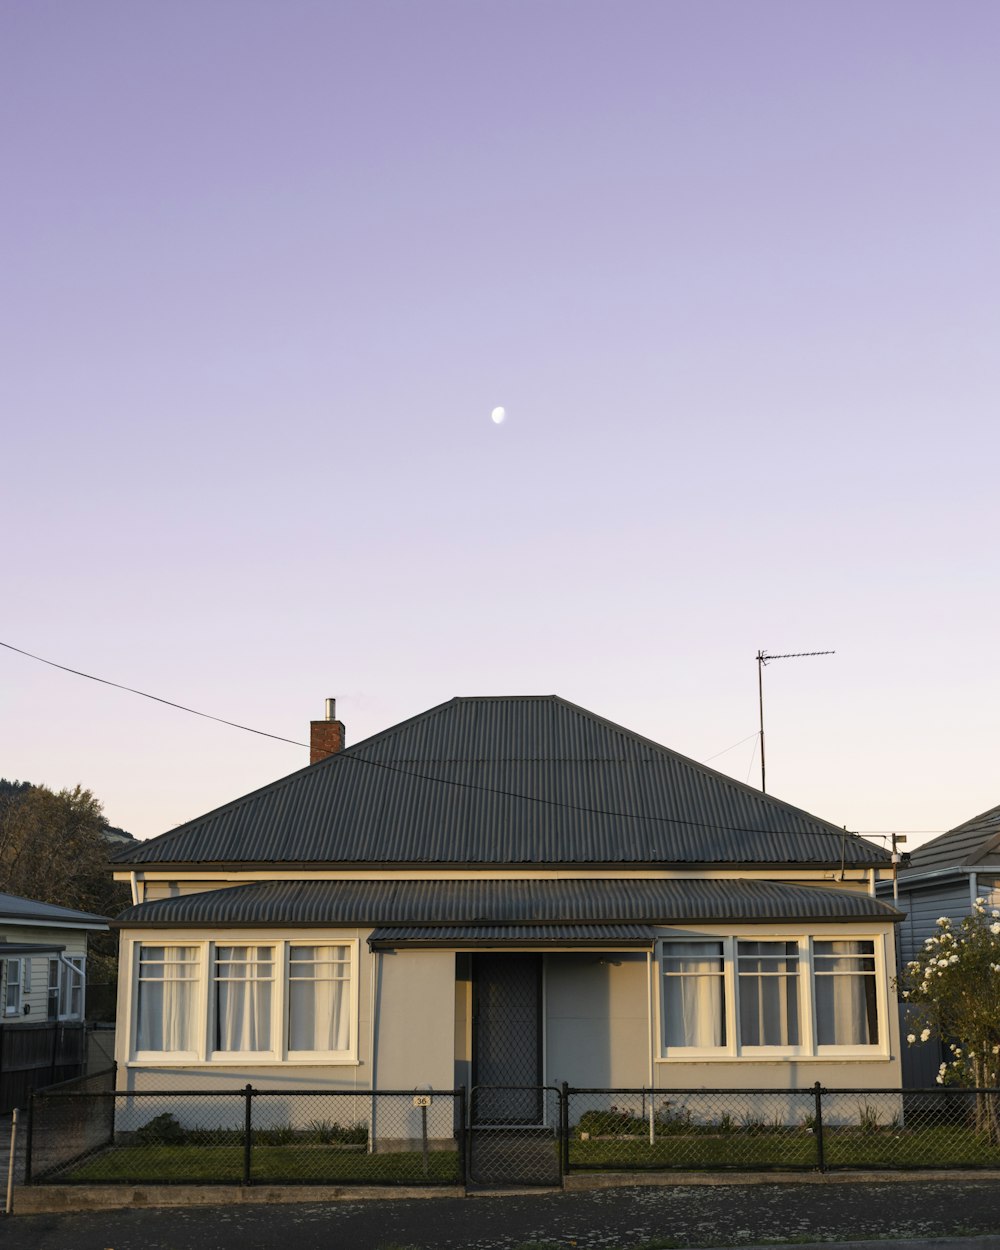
x,y
472,935
14,907
506,781
505,902
977,841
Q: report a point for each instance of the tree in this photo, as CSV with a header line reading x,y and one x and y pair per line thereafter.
x,y
53,848
954,983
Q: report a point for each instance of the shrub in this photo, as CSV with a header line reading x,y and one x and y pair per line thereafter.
x,y
161,1130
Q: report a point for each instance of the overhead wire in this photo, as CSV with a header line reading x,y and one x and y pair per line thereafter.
x,y
467,785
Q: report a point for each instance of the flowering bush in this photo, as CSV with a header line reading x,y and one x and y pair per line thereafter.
x,y
955,985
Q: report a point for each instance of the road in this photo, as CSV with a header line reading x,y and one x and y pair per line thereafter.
x,y
603,1219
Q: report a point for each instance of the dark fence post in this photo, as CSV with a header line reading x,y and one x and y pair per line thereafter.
x,y
564,1126
463,1148
28,1139
247,1130
818,1127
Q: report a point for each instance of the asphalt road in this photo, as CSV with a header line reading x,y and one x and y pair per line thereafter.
x,y
674,1216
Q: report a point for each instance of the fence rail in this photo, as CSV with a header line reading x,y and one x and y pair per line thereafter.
x,y
79,1135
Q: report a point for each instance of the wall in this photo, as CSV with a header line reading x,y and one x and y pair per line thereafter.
x,y
74,942
923,905
597,1030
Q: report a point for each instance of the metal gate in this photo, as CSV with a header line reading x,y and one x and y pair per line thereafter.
x,y
505,1148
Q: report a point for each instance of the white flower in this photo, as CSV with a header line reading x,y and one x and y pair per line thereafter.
x,y
954,958
925,1035
996,1050
943,921
911,1038
994,913
980,902
995,928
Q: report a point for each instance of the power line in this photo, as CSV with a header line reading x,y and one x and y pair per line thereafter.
x,y
156,699
732,748
360,759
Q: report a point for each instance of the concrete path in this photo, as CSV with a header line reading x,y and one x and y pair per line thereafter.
x,y
666,1217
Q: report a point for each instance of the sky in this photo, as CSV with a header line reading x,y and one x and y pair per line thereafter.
x,y
733,271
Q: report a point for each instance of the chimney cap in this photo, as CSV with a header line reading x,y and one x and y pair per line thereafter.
x,y
331,709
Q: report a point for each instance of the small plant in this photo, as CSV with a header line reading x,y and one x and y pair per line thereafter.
x,y
332,1133
868,1120
726,1122
282,1136
161,1130
611,1123
671,1119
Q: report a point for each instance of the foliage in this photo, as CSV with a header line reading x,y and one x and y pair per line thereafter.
x,y
53,849
954,983
161,1130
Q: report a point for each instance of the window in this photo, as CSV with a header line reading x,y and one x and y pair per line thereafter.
x,y
846,1001
71,988
243,979
168,979
52,1004
790,996
694,995
208,1002
769,993
13,987
319,998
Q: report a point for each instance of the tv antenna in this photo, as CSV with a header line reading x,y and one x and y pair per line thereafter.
x,y
762,659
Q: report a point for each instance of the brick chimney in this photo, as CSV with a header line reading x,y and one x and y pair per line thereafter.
x,y
326,737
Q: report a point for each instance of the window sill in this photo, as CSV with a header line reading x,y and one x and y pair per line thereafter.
x,y
857,1056
243,1061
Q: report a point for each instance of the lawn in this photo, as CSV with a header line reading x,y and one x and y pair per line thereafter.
x,y
224,1164
939,1146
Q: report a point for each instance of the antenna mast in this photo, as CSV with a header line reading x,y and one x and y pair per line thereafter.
x,y
762,659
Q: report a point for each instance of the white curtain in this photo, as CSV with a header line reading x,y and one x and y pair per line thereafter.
x,y
319,998
167,988
243,980
846,1008
694,1011
768,986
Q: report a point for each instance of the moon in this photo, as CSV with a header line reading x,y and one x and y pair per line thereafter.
x,y
498,415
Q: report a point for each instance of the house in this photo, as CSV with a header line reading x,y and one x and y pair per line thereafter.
x,y
43,987
43,952
505,892
945,876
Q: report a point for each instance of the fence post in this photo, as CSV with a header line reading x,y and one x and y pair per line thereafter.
x,y
463,1147
28,1138
564,1125
247,1129
818,1128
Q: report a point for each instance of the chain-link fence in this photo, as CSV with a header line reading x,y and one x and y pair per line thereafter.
x,y
248,1136
642,1129
84,1133
515,1133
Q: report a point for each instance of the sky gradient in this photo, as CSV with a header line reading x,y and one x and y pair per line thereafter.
x,y
732,269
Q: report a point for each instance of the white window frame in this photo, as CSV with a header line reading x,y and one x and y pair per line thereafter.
x,y
166,1056
16,982
205,998
79,963
807,1050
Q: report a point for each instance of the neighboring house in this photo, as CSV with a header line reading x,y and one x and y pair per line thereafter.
x,y
945,876
505,891
43,960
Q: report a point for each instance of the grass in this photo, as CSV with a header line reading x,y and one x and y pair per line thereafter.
x,y
762,1146
224,1164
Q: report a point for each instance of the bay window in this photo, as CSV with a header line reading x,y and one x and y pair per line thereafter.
x,y
798,996
202,1001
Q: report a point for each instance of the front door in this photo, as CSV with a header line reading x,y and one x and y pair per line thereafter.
x,y
507,1038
